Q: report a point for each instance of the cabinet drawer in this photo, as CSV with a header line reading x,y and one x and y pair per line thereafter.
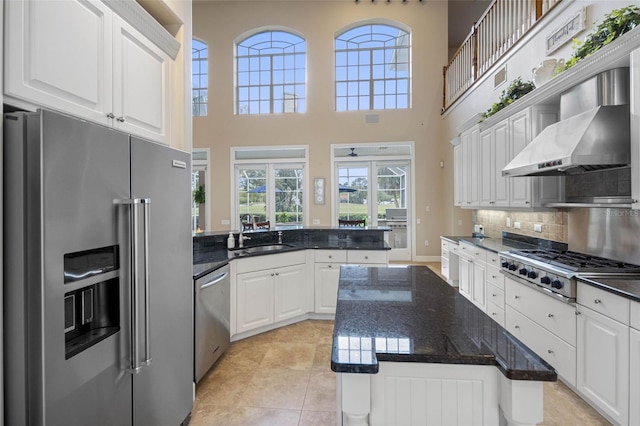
x,y
557,352
479,254
495,295
467,250
444,268
454,248
444,253
608,304
555,316
366,256
635,315
496,313
444,245
258,263
494,276
493,259
330,256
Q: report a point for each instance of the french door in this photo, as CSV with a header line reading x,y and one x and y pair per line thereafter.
x,y
378,192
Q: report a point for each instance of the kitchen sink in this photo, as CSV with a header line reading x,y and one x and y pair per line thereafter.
x,y
267,248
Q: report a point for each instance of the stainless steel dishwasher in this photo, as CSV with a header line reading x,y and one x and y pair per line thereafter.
x,y
211,312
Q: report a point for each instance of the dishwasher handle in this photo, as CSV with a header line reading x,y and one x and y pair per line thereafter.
x,y
214,281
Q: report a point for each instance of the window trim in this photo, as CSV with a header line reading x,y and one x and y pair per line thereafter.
x,y
250,33
375,21
269,164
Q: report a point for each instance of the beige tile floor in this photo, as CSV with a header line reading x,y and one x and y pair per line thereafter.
x,y
283,377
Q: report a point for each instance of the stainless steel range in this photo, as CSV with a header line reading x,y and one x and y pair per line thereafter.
x,y
554,272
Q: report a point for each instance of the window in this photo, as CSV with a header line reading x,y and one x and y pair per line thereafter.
x,y
372,68
199,77
269,185
271,73
199,205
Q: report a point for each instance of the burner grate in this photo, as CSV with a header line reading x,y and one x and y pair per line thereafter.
x,y
579,262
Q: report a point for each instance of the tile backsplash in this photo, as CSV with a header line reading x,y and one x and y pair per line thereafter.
x,y
554,225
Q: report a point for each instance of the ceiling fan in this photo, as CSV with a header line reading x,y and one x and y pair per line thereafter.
x,y
352,154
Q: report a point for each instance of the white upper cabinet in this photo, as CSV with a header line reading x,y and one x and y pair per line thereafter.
x,y
478,166
80,58
58,55
141,83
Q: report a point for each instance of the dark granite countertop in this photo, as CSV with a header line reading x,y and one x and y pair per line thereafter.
x,y
409,314
210,250
628,286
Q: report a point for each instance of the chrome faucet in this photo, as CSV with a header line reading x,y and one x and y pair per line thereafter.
x,y
241,239
279,237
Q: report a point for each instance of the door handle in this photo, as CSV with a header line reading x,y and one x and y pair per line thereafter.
x,y
146,205
134,218
214,281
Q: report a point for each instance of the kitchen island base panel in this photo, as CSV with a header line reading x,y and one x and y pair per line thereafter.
x,y
436,394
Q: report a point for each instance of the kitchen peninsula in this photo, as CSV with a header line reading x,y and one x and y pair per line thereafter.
x,y
409,349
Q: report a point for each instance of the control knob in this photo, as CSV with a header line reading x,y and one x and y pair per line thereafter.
x,y
505,264
523,271
557,284
532,274
545,280
513,267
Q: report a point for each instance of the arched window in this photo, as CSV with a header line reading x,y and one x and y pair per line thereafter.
x,y
271,73
199,77
373,68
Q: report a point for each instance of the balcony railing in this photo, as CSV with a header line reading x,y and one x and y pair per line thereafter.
x,y
498,29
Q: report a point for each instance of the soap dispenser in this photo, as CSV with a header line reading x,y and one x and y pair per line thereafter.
x,y
231,242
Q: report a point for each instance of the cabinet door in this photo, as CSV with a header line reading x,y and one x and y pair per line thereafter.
x,y
457,175
486,170
500,158
603,363
473,166
520,132
290,290
58,55
634,377
466,277
465,153
254,300
479,289
327,276
140,84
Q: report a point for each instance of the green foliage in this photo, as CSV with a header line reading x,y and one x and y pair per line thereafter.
x,y
515,91
199,195
616,23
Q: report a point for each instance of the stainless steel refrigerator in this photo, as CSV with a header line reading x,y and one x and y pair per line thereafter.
x,y
98,298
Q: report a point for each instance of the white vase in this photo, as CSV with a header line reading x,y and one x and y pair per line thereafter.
x,y
546,70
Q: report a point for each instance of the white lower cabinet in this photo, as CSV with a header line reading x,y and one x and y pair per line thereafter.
x,y
472,264
269,289
546,325
327,273
449,261
634,377
603,363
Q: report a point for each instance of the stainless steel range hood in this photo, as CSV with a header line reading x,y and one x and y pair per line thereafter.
x,y
593,140
593,132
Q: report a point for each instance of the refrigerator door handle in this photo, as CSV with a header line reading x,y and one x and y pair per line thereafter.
x,y
146,203
135,203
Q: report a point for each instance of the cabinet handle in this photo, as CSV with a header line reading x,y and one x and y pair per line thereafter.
x,y
330,266
272,274
549,315
111,115
120,119
516,297
527,202
494,277
596,301
493,313
578,313
330,257
517,327
549,351
277,274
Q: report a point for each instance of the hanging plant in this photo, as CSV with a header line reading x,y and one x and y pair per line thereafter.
x,y
199,195
614,24
515,91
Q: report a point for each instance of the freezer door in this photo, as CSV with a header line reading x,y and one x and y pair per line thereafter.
x,y
163,390
73,172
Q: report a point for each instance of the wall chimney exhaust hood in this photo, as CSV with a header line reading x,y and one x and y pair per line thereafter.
x,y
593,132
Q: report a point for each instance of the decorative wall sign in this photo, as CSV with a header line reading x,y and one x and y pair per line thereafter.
x,y
318,191
566,32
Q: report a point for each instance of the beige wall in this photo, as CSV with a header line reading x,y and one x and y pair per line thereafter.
x,y
219,23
